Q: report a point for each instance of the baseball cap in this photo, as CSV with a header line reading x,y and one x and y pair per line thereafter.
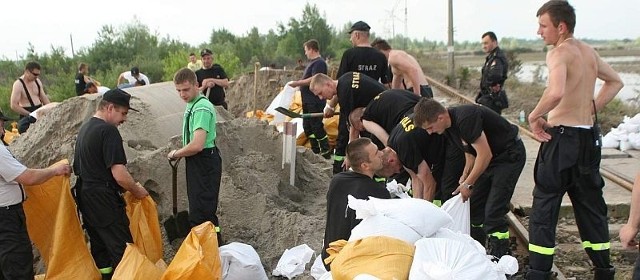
x,y
360,26
118,97
205,52
4,118
135,70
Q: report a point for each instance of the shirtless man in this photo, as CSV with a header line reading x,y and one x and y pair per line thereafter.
x,y
569,156
407,73
27,95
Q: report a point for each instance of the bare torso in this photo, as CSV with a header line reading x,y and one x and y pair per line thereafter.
x,y
33,91
407,68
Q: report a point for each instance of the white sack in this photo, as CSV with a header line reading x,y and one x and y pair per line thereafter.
x,y
610,141
421,215
283,99
293,261
465,238
379,225
317,269
241,261
397,190
459,212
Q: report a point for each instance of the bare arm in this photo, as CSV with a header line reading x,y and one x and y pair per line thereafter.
x,y
428,182
376,130
298,83
556,88
612,84
195,146
16,94
211,82
43,95
629,231
396,82
38,176
411,73
483,157
328,113
120,78
126,181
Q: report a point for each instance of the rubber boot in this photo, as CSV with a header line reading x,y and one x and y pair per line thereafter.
x,y
479,235
315,146
337,166
324,147
498,247
533,274
604,273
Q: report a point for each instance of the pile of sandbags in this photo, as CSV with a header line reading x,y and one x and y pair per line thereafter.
x,y
625,136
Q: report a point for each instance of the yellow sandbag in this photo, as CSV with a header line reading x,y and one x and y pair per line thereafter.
x,y
144,225
379,256
54,228
198,256
136,266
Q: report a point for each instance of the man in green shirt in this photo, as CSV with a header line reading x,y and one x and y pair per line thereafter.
x,y
203,161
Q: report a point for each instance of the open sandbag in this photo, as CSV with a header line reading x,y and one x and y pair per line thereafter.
x,y
144,225
198,256
459,212
293,261
136,266
241,261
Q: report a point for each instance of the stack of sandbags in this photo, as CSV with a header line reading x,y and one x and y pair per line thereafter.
x,y
625,136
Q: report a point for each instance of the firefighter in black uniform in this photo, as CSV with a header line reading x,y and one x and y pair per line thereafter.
x,y
352,90
494,73
490,179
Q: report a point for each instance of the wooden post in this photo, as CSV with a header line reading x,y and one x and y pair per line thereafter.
x,y
255,88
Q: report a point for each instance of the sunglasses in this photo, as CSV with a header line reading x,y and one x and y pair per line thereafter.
x,y
34,74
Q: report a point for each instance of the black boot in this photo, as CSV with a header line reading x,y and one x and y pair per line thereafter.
x,y
533,274
498,247
315,146
337,166
604,273
479,235
324,147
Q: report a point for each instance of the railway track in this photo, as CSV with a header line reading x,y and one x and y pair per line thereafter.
x,y
520,230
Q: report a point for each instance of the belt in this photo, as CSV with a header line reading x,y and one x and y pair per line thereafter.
x,y
561,129
11,207
209,150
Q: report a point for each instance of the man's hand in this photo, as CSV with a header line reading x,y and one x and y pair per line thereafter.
x,y
464,191
328,111
139,191
628,237
538,126
495,88
63,169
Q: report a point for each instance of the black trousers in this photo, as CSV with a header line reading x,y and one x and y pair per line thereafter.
x,y
425,91
494,189
569,163
16,255
204,173
313,126
105,218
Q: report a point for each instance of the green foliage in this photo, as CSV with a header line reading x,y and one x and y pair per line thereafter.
x,y
514,63
173,62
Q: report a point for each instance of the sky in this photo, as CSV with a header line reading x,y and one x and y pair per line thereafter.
x,y
52,23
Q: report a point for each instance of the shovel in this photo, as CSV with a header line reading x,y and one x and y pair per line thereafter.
x,y
177,225
294,115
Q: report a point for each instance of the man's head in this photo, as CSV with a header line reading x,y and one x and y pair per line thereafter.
x,y
323,86
431,115
364,156
3,119
90,87
192,57
135,71
186,84
359,33
381,45
489,42
207,58
32,71
311,49
114,106
391,164
83,68
355,119
556,20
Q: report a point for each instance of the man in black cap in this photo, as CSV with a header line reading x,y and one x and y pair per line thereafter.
x,y
133,77
100,164
212,79
362,57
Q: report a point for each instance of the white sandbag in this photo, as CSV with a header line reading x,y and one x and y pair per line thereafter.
x,y
507,265
610,141
317,268
625,145
241,261
283,99
326,276
465,238
293,261
380,225
634,140
439,258
635,119
459,212
421,215
397,190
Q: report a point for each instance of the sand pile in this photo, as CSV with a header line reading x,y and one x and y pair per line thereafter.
x,y
257,204
270,82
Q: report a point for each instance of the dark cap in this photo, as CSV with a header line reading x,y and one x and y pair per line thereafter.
x,y
135,70
118,97
4,118
206,52
360,26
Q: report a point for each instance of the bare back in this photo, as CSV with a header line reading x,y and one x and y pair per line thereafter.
x,y
406,67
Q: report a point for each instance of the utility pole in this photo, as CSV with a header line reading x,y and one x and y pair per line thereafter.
x,y
73,54
450,49
406,33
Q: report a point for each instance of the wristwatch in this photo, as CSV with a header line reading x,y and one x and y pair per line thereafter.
x,y
468,186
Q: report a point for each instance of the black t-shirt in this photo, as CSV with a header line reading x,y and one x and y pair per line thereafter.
x,y
413,145
80,84
216,94
356,90
98,148
315,66
365,60
340,218
470,120
389,107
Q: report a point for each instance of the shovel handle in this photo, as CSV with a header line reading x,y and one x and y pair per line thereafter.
x,y
174,183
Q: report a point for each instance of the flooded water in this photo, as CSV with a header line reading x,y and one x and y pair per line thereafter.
x,y
537,71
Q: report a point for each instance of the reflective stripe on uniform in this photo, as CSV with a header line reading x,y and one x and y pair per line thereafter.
x,y
217,229
437,202
541,250
106,270
338,158
312,136
480,225
380,179
596,246
500,235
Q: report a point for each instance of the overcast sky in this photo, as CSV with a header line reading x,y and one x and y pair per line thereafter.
x,y
47,23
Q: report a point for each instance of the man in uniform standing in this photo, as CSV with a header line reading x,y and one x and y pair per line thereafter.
x,y
212,80
313,127
494,73
362,57
569,156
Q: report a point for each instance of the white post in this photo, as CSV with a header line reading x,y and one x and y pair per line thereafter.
x,y
292,162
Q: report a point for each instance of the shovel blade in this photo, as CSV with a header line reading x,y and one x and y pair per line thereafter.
x,y
288,112
177,226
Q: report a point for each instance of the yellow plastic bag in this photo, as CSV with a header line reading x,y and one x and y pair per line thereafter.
x,y
379,256
198,256
145,226
136,266
54,227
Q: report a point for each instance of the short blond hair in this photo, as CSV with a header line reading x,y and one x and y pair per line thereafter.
x,y
318,80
